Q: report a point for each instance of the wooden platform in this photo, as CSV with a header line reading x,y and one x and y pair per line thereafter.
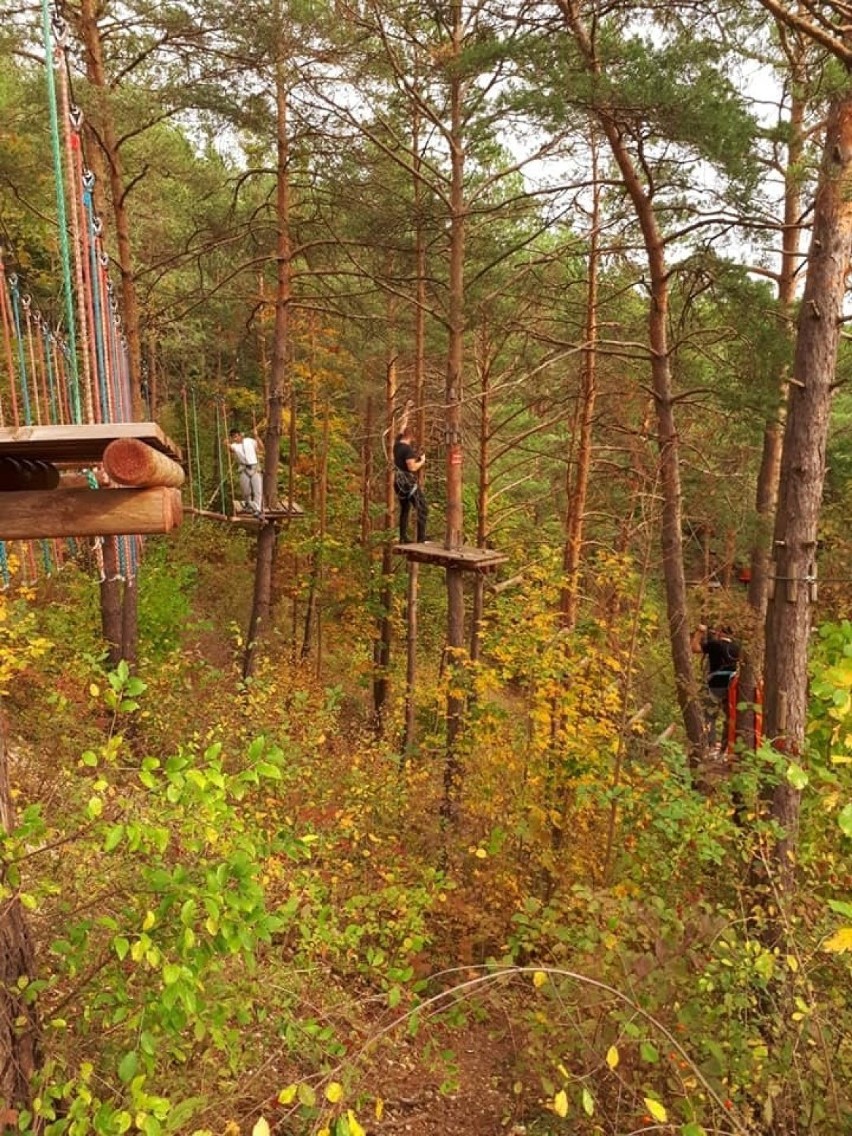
x,y
249,520
466,557
80,445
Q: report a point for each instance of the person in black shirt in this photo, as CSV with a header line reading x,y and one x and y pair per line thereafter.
x,y
407,461
722,653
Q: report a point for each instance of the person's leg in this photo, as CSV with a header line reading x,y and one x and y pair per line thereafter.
x,y
717,730
404,510
245,488
422,515
256,498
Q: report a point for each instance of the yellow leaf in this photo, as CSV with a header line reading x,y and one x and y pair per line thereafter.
x,y
539,979
324,1132
149,920
380,1108
355,1128
793,963
656,1110
232,1128
839,942
560,1103
481,854
261,1128
612,1057
333,1092
287,1094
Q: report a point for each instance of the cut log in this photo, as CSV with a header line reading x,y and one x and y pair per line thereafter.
x,y
32,515
130,462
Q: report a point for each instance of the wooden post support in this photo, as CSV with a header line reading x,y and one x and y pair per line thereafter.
x,y
411,656
131,462
35,514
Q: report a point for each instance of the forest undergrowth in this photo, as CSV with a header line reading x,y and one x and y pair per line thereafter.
x,y
249,917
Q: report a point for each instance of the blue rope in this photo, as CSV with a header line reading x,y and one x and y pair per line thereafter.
x,y
94,277
4,564
60,211
22,362
197,447
47,338
46,556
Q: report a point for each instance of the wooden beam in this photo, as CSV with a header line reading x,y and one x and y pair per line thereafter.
x,y
79,445
130,462
34,514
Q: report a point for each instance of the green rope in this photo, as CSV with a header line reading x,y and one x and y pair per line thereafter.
x,y
197,448
60,208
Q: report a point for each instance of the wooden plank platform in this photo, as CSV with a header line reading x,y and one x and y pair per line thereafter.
x,y
248,520
80,445
466,557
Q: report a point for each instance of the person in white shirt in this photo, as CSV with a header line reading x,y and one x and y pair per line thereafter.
x,y
245,450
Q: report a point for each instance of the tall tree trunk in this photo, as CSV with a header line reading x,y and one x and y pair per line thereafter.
x,y
766,493
366,526
578,485
382,642
788,616
20,1053
671,536
112,627
481,495
267,538
453,401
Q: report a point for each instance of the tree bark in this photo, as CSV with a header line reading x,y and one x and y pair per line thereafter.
x,y
766,493
788,616
267,538
453,773
20,1051
382,642
578,485
111,602
671,537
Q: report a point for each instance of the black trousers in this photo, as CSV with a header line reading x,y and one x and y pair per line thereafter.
x,y
422,510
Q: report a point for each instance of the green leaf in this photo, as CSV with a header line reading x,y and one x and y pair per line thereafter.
x,y
649,1053
841,907
692,1129
306,1095
588,1103
845,820
796,776
127,1067
113,837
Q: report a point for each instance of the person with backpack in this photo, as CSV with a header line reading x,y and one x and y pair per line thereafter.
x,y
407,463
721,653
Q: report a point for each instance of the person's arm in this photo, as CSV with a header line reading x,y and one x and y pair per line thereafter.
x,y
698,636
413,464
